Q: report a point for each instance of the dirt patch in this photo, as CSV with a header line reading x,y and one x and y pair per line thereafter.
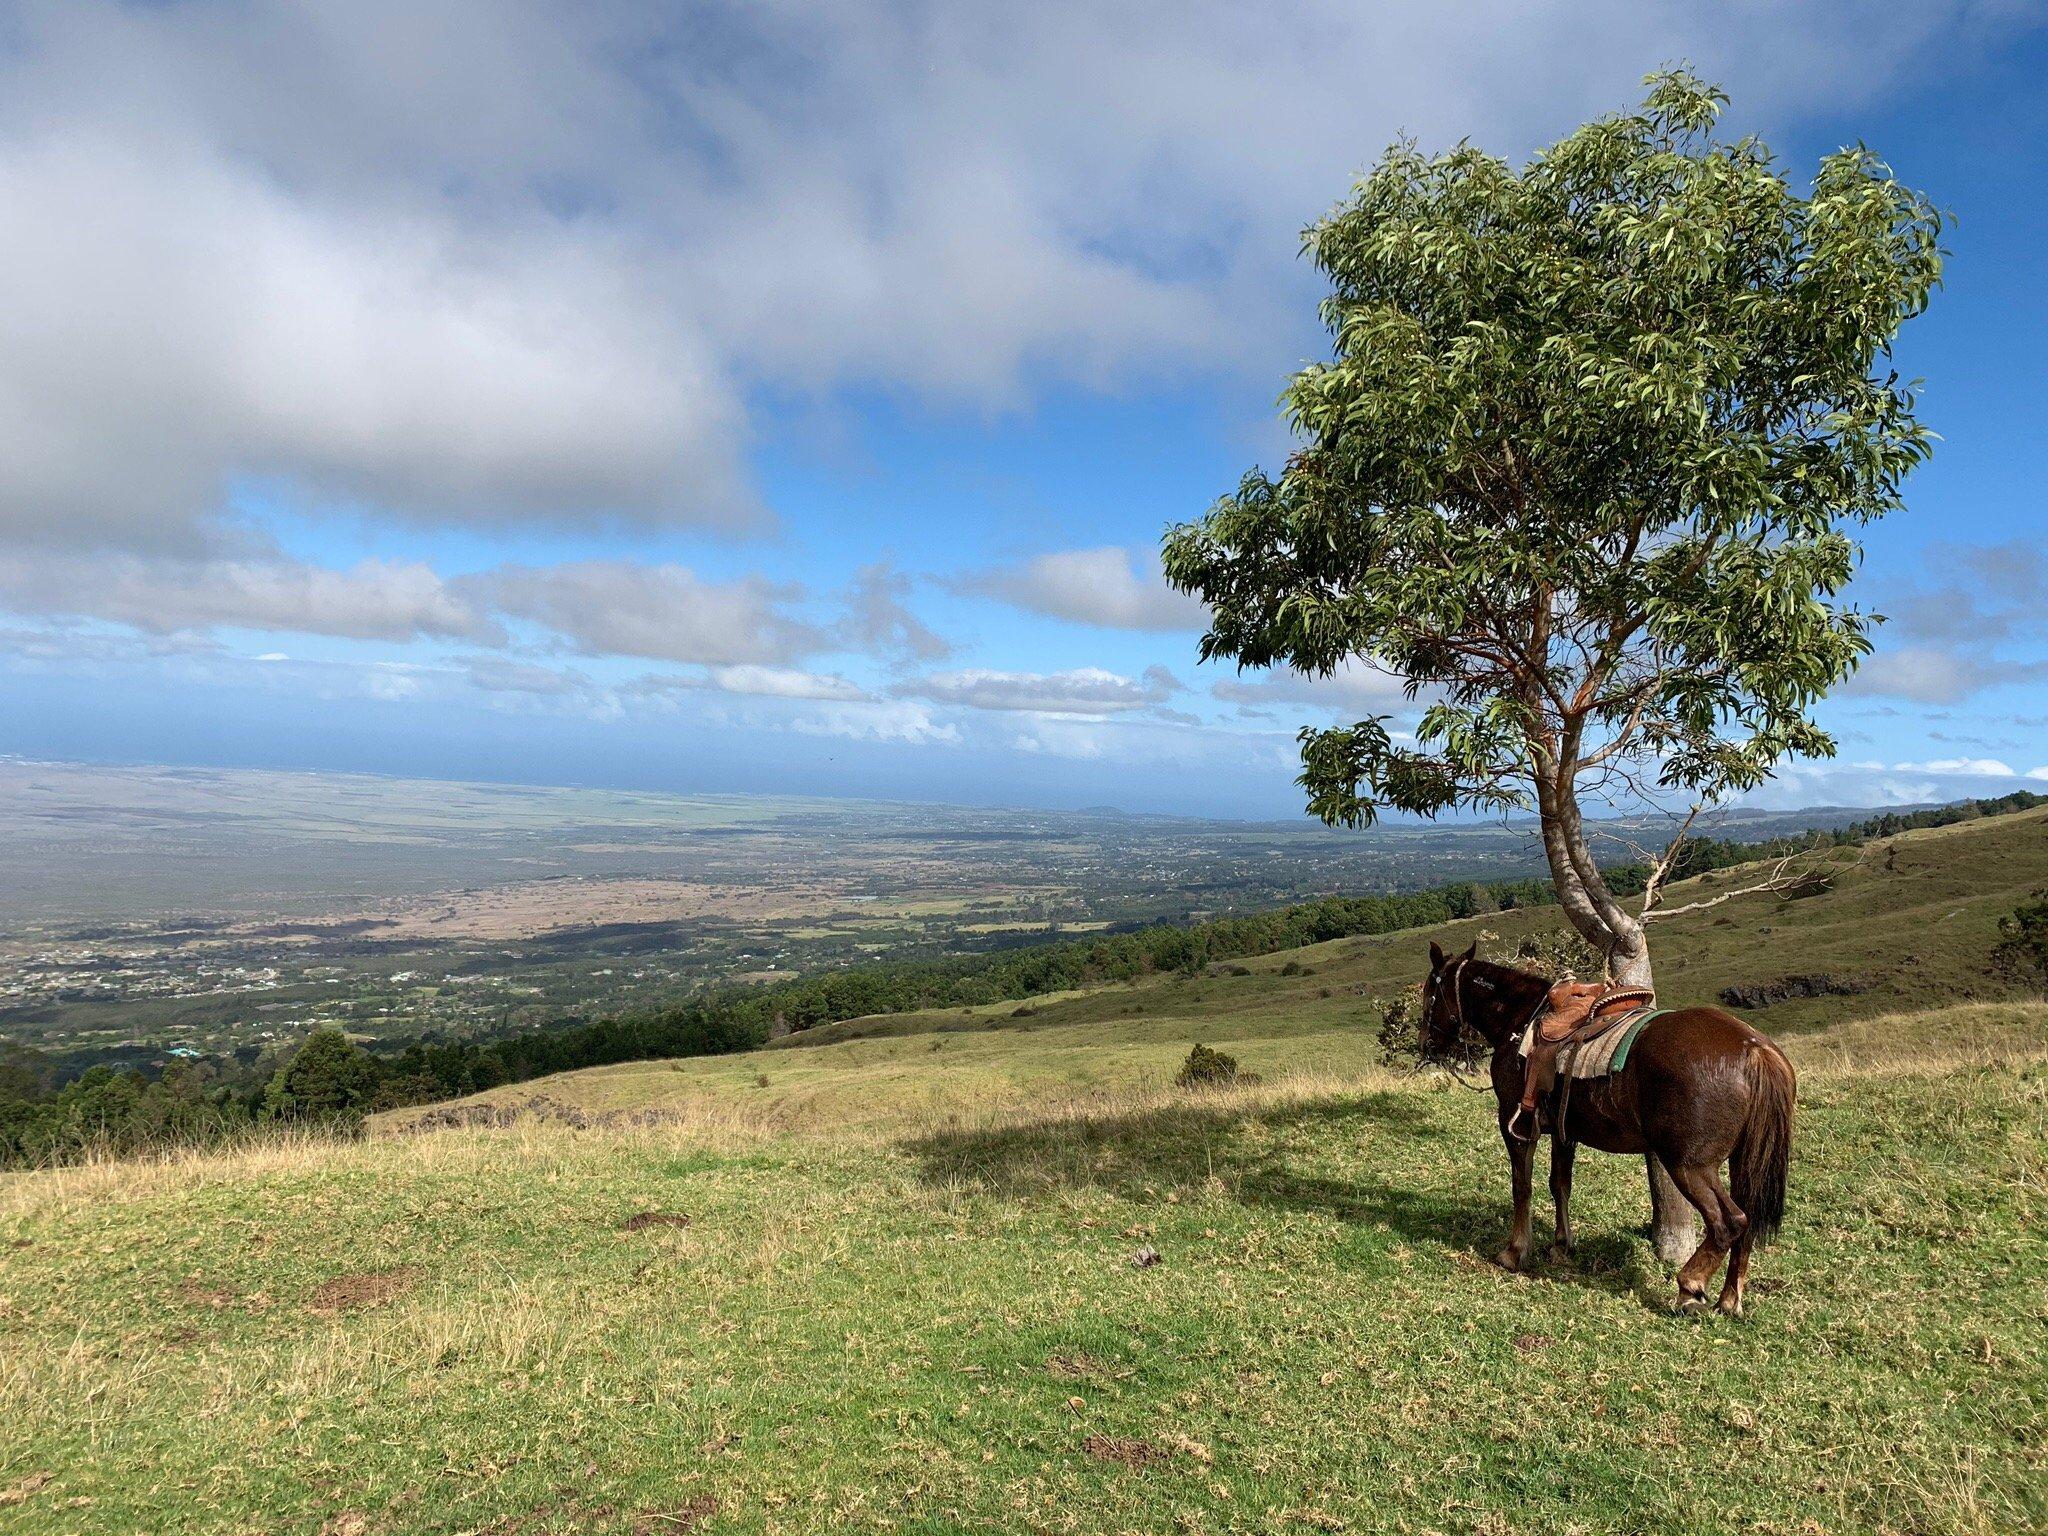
x,y
1126,1452
193,1294
1529,1343
1075,1366
369,1288
19,1492
648,1219
684,1517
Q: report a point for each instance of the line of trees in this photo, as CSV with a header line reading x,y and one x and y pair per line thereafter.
x,y
332,1082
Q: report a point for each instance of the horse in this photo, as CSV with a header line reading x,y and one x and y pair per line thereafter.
x,y
1700,1088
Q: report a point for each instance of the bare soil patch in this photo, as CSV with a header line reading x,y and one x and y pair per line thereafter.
x,y
367,1288
648,1219
1124,1451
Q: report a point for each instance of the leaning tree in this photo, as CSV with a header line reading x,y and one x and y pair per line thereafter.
x,y
1585,472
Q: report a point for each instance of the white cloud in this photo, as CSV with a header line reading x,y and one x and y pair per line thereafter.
x,y
763,682
1084,690
665,612
498,261
374,600
1354,686
1962,767
901,722
1932,674
1106,586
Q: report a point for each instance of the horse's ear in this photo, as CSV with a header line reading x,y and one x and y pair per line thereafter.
x,y
1470,952
1436,956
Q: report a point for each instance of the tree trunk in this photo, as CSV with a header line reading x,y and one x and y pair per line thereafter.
x,y
1621,940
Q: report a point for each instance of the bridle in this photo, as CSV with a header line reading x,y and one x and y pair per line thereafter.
x,y
1433,989
1456,971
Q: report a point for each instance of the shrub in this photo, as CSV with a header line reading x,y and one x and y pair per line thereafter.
x,y
1400,1021
2022,952
1205,1068
1558,953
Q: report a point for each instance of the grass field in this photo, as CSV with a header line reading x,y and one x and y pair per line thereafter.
x,y
895,1289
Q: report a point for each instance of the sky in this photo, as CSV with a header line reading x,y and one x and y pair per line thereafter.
x,y
790,397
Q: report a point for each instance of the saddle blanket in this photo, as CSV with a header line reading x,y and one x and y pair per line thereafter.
x,y
1604,1053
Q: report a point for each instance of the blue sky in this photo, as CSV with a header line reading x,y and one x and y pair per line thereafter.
x,y
790,398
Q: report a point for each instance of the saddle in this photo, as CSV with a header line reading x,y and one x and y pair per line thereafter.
x,y
1573,1013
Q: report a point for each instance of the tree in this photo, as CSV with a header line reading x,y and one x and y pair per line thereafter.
x,y
1585,471
330,1077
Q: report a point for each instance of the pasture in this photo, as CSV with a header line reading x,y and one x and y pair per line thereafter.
x,y
990,1271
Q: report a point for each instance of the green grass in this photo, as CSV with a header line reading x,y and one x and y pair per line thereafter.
x,y
904,1300
923,1332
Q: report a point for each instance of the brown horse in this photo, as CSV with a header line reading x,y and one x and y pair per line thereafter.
x,y
1700,1088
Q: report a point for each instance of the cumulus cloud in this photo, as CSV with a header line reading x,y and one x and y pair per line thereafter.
x,y
898,721
1108,586
1960,767
763,682
1935,674
374,600
494,261
663,612
1081,691
1353,686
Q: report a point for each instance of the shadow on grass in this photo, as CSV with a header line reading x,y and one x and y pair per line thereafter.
x,y
1262,1155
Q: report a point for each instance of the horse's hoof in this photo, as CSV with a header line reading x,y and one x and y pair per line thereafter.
x,y
1508,1259
1692,1302
1558,1253
1729,1307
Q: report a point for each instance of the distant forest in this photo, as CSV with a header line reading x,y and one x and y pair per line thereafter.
x,y
332,1082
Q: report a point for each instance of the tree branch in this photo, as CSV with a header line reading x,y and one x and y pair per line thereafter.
x,y
1777,880
1661,871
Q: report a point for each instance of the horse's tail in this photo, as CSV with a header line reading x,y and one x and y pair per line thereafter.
x,y
1764,1149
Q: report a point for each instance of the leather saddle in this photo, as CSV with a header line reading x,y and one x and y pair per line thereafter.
x,y
1573,1013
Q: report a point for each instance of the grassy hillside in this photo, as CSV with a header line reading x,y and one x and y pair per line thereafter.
x,y
1912,919
894,1289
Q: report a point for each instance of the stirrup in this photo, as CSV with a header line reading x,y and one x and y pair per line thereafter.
x,y
1535,1122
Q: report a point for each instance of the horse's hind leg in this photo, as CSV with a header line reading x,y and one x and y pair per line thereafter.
x,y
1726,1227
1561,1155
1738,1274
1738,1256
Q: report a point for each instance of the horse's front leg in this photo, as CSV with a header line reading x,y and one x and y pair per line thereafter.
x,y
1562,1154
1522,1159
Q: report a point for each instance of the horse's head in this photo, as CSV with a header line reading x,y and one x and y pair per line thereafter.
x,y
1443,1003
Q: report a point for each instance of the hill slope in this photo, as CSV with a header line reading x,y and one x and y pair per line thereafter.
x,y
894,1289
1911,919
